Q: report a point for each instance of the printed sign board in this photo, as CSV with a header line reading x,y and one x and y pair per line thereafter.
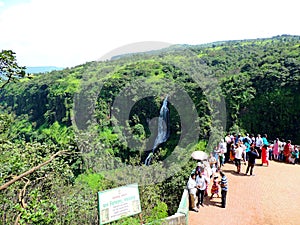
x,y
119,202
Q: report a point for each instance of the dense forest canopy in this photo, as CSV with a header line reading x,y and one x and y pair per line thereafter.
x,y
93,119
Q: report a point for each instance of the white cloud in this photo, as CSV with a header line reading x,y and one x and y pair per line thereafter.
x,y
67,33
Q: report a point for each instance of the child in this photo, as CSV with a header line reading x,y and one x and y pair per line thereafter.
x,y
215,187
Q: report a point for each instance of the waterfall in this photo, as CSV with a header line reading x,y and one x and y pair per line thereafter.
x,y
163,131
163,125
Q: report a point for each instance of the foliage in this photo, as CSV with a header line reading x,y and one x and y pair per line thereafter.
x,y
30,195
10,71
159,212
59,134
257,79
38,211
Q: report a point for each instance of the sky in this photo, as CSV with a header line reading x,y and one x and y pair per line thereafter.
x,y
66,33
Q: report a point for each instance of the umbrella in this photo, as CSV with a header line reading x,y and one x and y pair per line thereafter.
x,y
199,155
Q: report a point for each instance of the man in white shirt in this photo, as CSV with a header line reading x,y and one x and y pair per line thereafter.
x,y
258,144
192,188
201,182
238,157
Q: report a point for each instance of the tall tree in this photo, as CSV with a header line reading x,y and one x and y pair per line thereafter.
x,y
9,69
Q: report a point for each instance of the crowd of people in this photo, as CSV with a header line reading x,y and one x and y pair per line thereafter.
x,y
238,147
198,188
239,150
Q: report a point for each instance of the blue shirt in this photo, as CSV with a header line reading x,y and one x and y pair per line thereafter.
x,y
265,142
247,147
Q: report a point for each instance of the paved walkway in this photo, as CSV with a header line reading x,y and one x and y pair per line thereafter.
x,y
272,196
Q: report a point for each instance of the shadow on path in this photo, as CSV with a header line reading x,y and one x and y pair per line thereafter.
x,y
266,199
233,172
215,202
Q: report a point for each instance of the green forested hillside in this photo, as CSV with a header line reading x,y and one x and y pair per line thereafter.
x,y
100,120
261,84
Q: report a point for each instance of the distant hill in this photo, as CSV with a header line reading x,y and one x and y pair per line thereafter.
x,y
259,79
42,69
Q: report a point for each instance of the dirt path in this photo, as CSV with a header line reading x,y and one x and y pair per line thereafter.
x,y
272,196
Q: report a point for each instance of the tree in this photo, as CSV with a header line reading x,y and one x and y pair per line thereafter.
x,y
10,71
31,170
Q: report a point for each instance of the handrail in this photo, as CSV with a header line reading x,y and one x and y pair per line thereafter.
x,y
183,207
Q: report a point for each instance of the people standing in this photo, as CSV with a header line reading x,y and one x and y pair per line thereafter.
x,y
248,138
296,154
238,157
192,189
265,140
215,154
228,141
213,162
264,150
265,155
222,152
281,149
199,168
224,188
232,152
215,187
270,152
287,151
276,149
207,173
253,139
221,158
237,139
247,145
201,182
253,155
258,144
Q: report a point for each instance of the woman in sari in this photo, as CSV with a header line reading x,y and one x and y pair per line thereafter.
x,y
264,155
232,153
287,150
276,149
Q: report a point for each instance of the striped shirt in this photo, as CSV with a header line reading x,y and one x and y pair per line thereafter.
x,y
224,183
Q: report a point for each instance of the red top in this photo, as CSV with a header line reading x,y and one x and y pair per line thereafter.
x,y
287,149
